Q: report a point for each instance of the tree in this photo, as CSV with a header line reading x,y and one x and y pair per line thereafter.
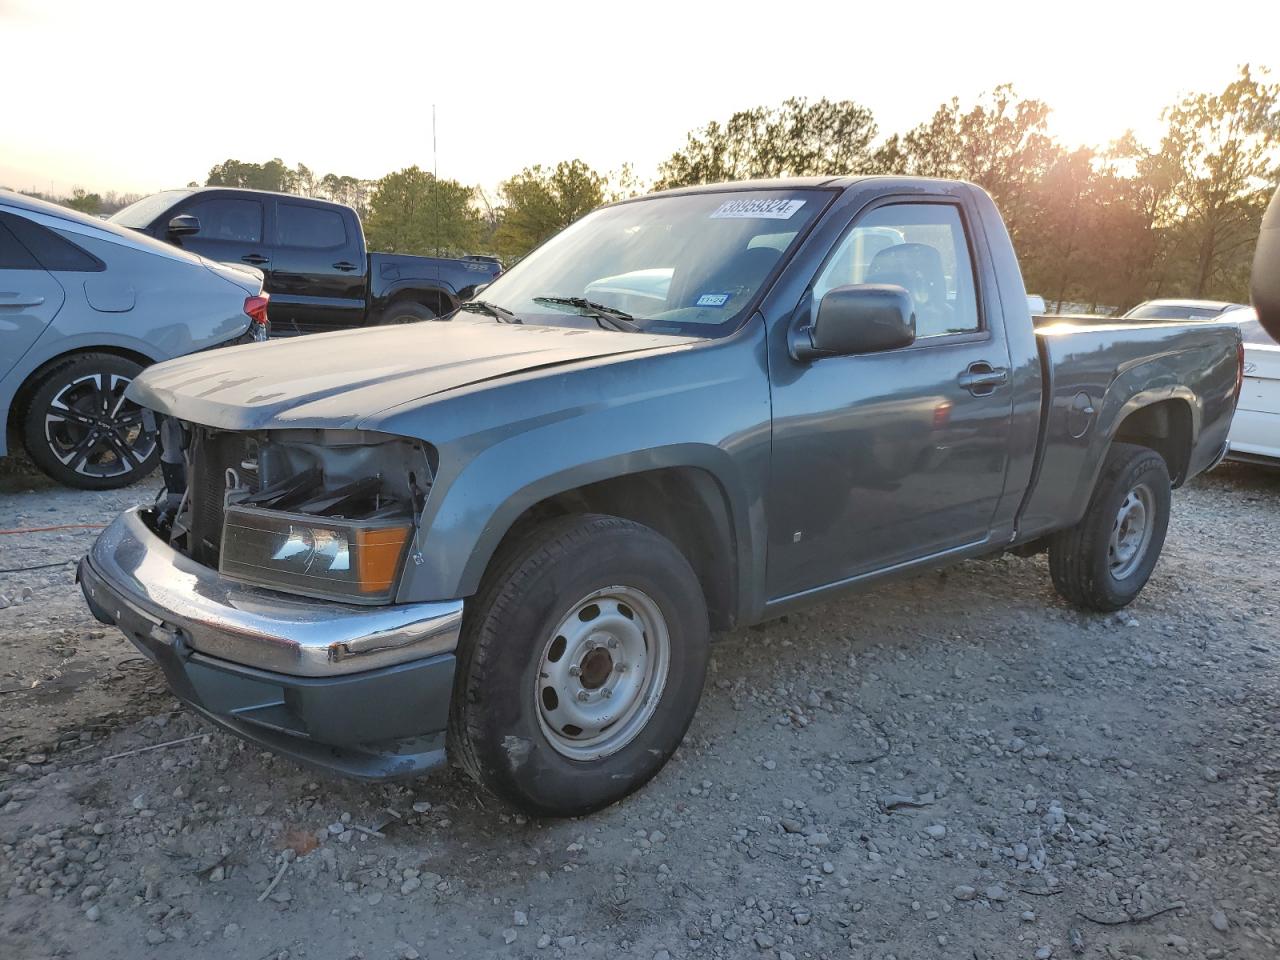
x,y
84,201
798,138
1000,143
538,202
413,212
349,190
1226,150
272,175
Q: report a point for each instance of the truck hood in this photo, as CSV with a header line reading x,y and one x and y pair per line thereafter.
x,y
336,380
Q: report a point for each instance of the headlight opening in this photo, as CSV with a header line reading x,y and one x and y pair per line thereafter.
x,y
355,561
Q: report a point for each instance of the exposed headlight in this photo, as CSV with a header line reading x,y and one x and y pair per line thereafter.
x,y
356,561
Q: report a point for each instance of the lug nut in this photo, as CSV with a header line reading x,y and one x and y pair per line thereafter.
x,y
621,668
574,671
606,693
583,696
613,643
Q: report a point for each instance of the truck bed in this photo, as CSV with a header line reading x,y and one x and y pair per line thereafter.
x,y
1097,374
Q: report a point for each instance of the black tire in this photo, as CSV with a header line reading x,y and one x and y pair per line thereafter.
x,y
1086,568
406,311
496,729
79,429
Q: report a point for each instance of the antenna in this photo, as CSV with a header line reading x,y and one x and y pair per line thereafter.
x,y
435,177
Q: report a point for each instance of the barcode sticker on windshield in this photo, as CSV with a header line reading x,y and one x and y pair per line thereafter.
x,y
757,209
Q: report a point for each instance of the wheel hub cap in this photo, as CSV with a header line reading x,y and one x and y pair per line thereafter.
x,y
1131,532
602,673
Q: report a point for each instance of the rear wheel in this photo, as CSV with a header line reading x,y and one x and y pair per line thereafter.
x,y
1104,561
81,431
406,311
580,666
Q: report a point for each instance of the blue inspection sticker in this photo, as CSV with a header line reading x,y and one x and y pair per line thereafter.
x,y
714,299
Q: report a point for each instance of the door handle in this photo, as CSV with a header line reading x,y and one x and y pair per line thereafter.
x,y
345,265
255,258
981,378
7,301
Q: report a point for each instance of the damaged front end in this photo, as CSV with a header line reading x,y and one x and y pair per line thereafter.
x,y
263,581
330,514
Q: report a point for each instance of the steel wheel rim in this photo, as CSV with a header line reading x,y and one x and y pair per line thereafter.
x,y
601,673
91,428
1131,532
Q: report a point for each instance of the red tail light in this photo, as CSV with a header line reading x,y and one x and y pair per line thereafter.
x,y
256,309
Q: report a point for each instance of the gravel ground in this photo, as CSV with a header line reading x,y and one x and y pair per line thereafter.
x,y
956,766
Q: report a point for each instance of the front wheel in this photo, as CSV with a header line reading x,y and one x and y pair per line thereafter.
x,y
580,666
81,431
1104,561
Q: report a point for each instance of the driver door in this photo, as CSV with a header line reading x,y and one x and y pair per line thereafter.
x,y
884,458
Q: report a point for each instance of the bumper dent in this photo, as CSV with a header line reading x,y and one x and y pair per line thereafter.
x,y
257,628
358,691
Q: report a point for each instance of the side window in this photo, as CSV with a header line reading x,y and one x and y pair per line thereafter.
x,y
237,219
52,251
305,226
13,255
919,246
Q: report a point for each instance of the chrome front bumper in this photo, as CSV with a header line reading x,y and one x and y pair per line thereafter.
x,y
130,567
361,691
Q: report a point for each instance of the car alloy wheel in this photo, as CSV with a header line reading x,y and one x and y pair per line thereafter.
x,y
92,429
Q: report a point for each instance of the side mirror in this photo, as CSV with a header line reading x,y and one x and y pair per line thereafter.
x,y
859,318
1265,285
184,225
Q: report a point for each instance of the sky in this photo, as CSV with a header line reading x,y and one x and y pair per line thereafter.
x,y
140,95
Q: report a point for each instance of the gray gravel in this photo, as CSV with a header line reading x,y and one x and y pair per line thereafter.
x,y
956,766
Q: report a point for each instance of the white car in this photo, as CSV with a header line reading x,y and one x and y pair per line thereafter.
x,y
1177,310
1255,431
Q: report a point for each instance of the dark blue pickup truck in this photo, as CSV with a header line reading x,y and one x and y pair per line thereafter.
x,y
507,535
312,256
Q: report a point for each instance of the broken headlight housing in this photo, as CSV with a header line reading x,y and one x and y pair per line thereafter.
x,y
354,561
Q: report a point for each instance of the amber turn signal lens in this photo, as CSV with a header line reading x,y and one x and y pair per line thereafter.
x,y
378,557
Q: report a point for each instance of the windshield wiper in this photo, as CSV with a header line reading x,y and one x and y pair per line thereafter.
x,y
501,314
604,315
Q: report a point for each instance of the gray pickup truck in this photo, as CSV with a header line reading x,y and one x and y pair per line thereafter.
x,y
507,535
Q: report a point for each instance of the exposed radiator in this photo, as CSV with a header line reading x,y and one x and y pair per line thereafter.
x,y
212,455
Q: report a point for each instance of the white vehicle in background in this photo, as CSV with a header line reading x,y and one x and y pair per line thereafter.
x,y
1182,310
1255,431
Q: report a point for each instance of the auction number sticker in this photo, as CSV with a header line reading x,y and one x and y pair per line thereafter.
x,y
757,209
713,299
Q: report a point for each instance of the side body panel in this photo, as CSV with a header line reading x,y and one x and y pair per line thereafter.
x,y
430,280
1102,374
319,271
505,445
1255,431
905,450
30,297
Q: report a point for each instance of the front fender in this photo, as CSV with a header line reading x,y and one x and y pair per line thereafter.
x,y
516,444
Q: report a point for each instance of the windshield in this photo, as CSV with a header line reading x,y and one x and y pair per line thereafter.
x,y
688,264
1172,311
143,212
